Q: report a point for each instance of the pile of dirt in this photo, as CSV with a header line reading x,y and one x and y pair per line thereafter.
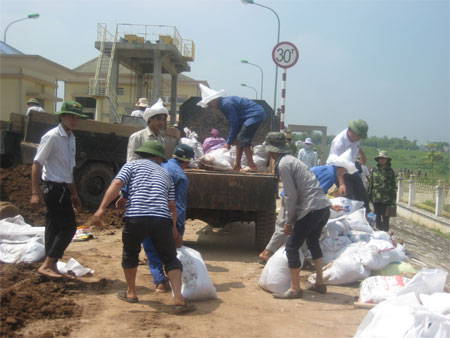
x,y
16,188
26,295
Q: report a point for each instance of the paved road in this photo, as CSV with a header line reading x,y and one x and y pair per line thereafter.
x,y
423,247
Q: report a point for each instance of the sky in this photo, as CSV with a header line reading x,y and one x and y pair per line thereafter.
x,y
386,62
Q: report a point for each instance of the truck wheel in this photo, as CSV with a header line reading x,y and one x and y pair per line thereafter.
x,y
264,228
92,182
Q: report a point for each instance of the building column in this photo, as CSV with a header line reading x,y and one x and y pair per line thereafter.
x,y
412,191
139,86
400,188
157,76
173,100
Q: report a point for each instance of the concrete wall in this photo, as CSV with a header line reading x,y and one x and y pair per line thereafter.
x,y
424,218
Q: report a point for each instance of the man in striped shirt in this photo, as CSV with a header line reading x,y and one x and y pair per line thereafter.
x,y
150,212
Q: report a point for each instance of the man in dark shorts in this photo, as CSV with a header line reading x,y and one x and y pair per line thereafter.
x,y
151,212
245,117
307,212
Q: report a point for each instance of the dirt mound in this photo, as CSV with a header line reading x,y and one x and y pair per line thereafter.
x,y
26,295
16,188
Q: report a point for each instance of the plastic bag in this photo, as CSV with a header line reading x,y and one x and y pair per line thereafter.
x,y
74,268
427,281
348,205
378,288
219,159
276,276
191,140
344,160
196,284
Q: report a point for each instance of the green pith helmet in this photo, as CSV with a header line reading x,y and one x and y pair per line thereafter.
x,y
33,101
382,154
276,143
72,107
153,148
183,152
359,127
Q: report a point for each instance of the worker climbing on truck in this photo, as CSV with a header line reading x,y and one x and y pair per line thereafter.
x,y
245,117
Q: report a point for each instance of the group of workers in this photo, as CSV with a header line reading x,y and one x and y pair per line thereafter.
x,y
153,190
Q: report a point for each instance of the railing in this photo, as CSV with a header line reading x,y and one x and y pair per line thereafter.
x,y
422,195
156,34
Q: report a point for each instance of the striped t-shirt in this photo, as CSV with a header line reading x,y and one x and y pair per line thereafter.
x,y
150,187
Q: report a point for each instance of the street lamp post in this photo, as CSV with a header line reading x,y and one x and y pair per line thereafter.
x,y
262,75
30,16
256,92
252,2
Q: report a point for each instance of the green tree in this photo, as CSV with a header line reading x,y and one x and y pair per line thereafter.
x,y
433,157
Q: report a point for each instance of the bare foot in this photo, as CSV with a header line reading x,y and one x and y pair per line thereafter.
x,y
49,272
236,168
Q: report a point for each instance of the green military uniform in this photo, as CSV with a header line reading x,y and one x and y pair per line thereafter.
x,y
382,191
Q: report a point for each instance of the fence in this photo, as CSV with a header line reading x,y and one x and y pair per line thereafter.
x,y
418,194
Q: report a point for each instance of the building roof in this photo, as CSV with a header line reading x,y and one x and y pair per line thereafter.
x,y
7,49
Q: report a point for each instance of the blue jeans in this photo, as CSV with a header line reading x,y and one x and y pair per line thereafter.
x,y
154,262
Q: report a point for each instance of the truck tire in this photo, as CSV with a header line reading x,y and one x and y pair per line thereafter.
x,y
92,181
264,227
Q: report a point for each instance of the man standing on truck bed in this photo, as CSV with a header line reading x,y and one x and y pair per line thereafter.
x,y
141,105
55,159
245,117
156,117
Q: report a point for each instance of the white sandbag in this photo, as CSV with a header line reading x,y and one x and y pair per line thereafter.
x,y
260,157
403,316
196,284
218,159
375,289
344,161
383,235
357,221
344,270
276,276
427,281
330,247
191,140
358,236
20,242
73,267
348,204
438,302
335,228
378,254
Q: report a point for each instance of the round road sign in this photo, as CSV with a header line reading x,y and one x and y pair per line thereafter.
x,y
285,54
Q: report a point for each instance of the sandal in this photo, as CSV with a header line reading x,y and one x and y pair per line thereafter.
x,y
318,288
122,295
289,294
187,307
165,287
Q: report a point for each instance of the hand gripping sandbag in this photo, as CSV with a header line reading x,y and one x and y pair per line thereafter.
x,y
276,276
196,284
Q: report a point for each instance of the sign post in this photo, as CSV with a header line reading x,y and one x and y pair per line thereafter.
x,y
285,55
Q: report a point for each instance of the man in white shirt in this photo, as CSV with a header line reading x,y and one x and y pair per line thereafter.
x,y
33,105
55,161
141,106
350,139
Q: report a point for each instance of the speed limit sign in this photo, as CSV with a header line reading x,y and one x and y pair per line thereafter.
x,y
285,54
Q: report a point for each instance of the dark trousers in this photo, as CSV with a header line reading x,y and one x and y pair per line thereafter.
x,y
308,228
60,222
356,190
381,221
160,231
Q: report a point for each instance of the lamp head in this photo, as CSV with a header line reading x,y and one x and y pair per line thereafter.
x,y
243,85
33,16
244,61
247,2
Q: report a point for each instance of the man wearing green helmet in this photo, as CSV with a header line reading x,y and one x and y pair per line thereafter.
x,y
34,105
54,163
349,138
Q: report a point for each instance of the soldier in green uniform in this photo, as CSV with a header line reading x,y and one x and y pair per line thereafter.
x,y
382,190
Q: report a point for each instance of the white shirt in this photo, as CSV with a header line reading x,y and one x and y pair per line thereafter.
x,y
341,143
308,156
138,138
56,154
35,108
137,113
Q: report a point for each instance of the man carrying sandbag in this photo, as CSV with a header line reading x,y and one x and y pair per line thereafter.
x,y
307,209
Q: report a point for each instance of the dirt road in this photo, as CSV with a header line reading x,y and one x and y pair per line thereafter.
x,y
33,306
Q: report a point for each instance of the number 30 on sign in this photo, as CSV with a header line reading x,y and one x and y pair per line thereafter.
x,y
285,54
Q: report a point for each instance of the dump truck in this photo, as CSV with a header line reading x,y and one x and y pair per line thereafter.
x,y
101,149
219,198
